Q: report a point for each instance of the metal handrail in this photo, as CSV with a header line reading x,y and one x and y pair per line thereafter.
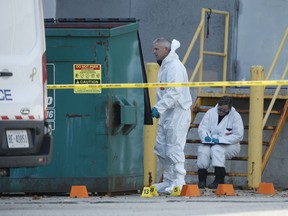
x,y
199,70
200,33
199,28
282,77
277,55
275,95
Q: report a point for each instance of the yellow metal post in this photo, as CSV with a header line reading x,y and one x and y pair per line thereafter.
x,y
255,128
150,130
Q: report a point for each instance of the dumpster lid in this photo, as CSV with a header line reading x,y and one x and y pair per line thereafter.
x,y
98,23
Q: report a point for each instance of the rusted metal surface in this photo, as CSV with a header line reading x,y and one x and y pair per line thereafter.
x,y
77,115
243,142
194,157
227,174
246,127
198,109
234,95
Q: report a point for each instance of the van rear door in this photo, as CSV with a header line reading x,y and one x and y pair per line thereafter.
x,y
25,138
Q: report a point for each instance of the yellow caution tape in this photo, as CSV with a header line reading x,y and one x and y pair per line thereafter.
x,y
156,85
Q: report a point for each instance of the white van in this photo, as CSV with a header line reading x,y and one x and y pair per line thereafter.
x,y
25,136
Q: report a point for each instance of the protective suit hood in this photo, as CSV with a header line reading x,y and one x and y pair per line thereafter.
x,y
175,44
172,70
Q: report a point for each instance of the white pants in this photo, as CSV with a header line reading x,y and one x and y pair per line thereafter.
x,y
215,155
171,135
172,130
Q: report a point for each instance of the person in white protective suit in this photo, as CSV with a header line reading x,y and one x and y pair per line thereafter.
x,y
173,110
220,131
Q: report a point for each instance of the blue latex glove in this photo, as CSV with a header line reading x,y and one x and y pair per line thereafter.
x,y
207,139
215,140
155,113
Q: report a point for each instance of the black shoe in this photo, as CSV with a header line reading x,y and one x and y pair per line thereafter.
x,y
215,184
219,177
202,185
202,176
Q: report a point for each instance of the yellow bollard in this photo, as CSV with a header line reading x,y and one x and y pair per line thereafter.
x,y
150,130
255,128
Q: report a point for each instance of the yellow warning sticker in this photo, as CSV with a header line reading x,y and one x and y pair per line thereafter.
x,y
87,74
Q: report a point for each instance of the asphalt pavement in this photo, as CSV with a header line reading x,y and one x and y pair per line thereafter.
x,y
244,202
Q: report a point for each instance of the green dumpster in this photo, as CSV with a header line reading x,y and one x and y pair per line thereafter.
x,y
98,133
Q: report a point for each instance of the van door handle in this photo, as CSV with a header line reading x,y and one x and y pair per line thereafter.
x,y
6,74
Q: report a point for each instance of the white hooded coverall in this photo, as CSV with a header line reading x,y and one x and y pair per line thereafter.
x,y
173,105
229,131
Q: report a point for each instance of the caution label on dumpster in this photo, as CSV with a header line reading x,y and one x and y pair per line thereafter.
x,y
85,74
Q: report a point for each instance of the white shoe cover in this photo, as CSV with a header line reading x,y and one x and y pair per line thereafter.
x,y
179,181
169,189
160,187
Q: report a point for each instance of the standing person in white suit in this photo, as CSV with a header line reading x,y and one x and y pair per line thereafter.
x,y
173,110
220,131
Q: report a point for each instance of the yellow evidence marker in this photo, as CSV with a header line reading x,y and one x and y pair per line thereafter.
x,y
146,193
176,191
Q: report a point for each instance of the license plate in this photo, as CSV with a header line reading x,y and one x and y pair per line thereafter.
x,y
17,139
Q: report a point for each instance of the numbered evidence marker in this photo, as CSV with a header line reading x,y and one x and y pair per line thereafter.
x,y
146,193
176,191
153,191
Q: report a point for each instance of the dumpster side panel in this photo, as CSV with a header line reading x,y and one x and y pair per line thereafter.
x,y
126,68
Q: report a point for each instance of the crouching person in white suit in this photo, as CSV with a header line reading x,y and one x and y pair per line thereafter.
x,y
220,131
